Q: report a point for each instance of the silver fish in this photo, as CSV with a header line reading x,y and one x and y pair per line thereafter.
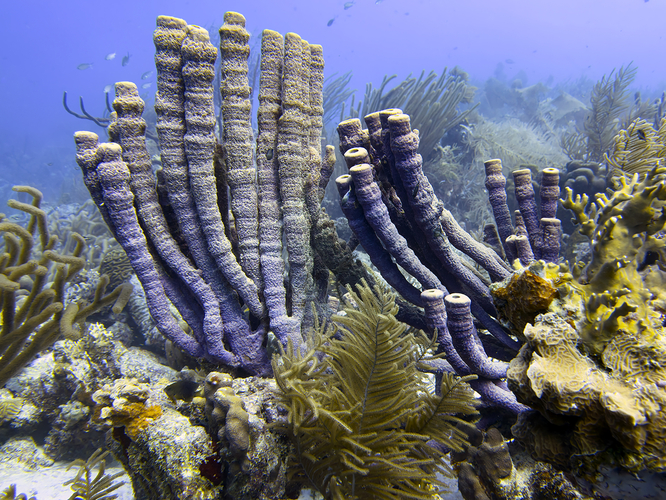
x,y
111,56
83,66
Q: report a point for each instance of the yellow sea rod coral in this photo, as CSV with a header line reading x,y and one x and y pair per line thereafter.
x,y
32,288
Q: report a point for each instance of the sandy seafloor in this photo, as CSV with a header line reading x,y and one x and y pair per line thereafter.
x,y
47,482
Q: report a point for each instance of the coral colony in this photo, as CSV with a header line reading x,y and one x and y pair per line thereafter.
x,y
308,368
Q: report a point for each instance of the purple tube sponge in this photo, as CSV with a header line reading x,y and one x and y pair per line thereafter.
x,y
426,209
492,391
550,229
523,248
293,155
170,108
131,128
371,244
369,196
436,317
198,57
87,158
374,124
528,209
352,135
496,186
237,136
114,178
466,339
268,183
550,192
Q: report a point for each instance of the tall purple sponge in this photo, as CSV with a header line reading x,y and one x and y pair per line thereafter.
x,y
466,339
368,194
550,192
114,179
528,209
496,186
491,391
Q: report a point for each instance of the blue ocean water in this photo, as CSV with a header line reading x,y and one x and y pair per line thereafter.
x,y
43,43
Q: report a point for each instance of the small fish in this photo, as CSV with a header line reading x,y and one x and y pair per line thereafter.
x,y
84,66
269,154
641,136
377,2
146,75
108,89
416,189
329,23
111,56
183,389
348,5
509,61
146,85
126,59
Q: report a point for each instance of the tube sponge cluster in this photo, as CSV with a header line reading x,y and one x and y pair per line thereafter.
x,y
213,243
393,211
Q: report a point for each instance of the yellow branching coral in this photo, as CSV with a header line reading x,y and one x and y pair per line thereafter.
x,y
622,230
359,410
594,366
33,311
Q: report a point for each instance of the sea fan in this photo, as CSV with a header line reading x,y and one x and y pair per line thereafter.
x,y
515,143
607,103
